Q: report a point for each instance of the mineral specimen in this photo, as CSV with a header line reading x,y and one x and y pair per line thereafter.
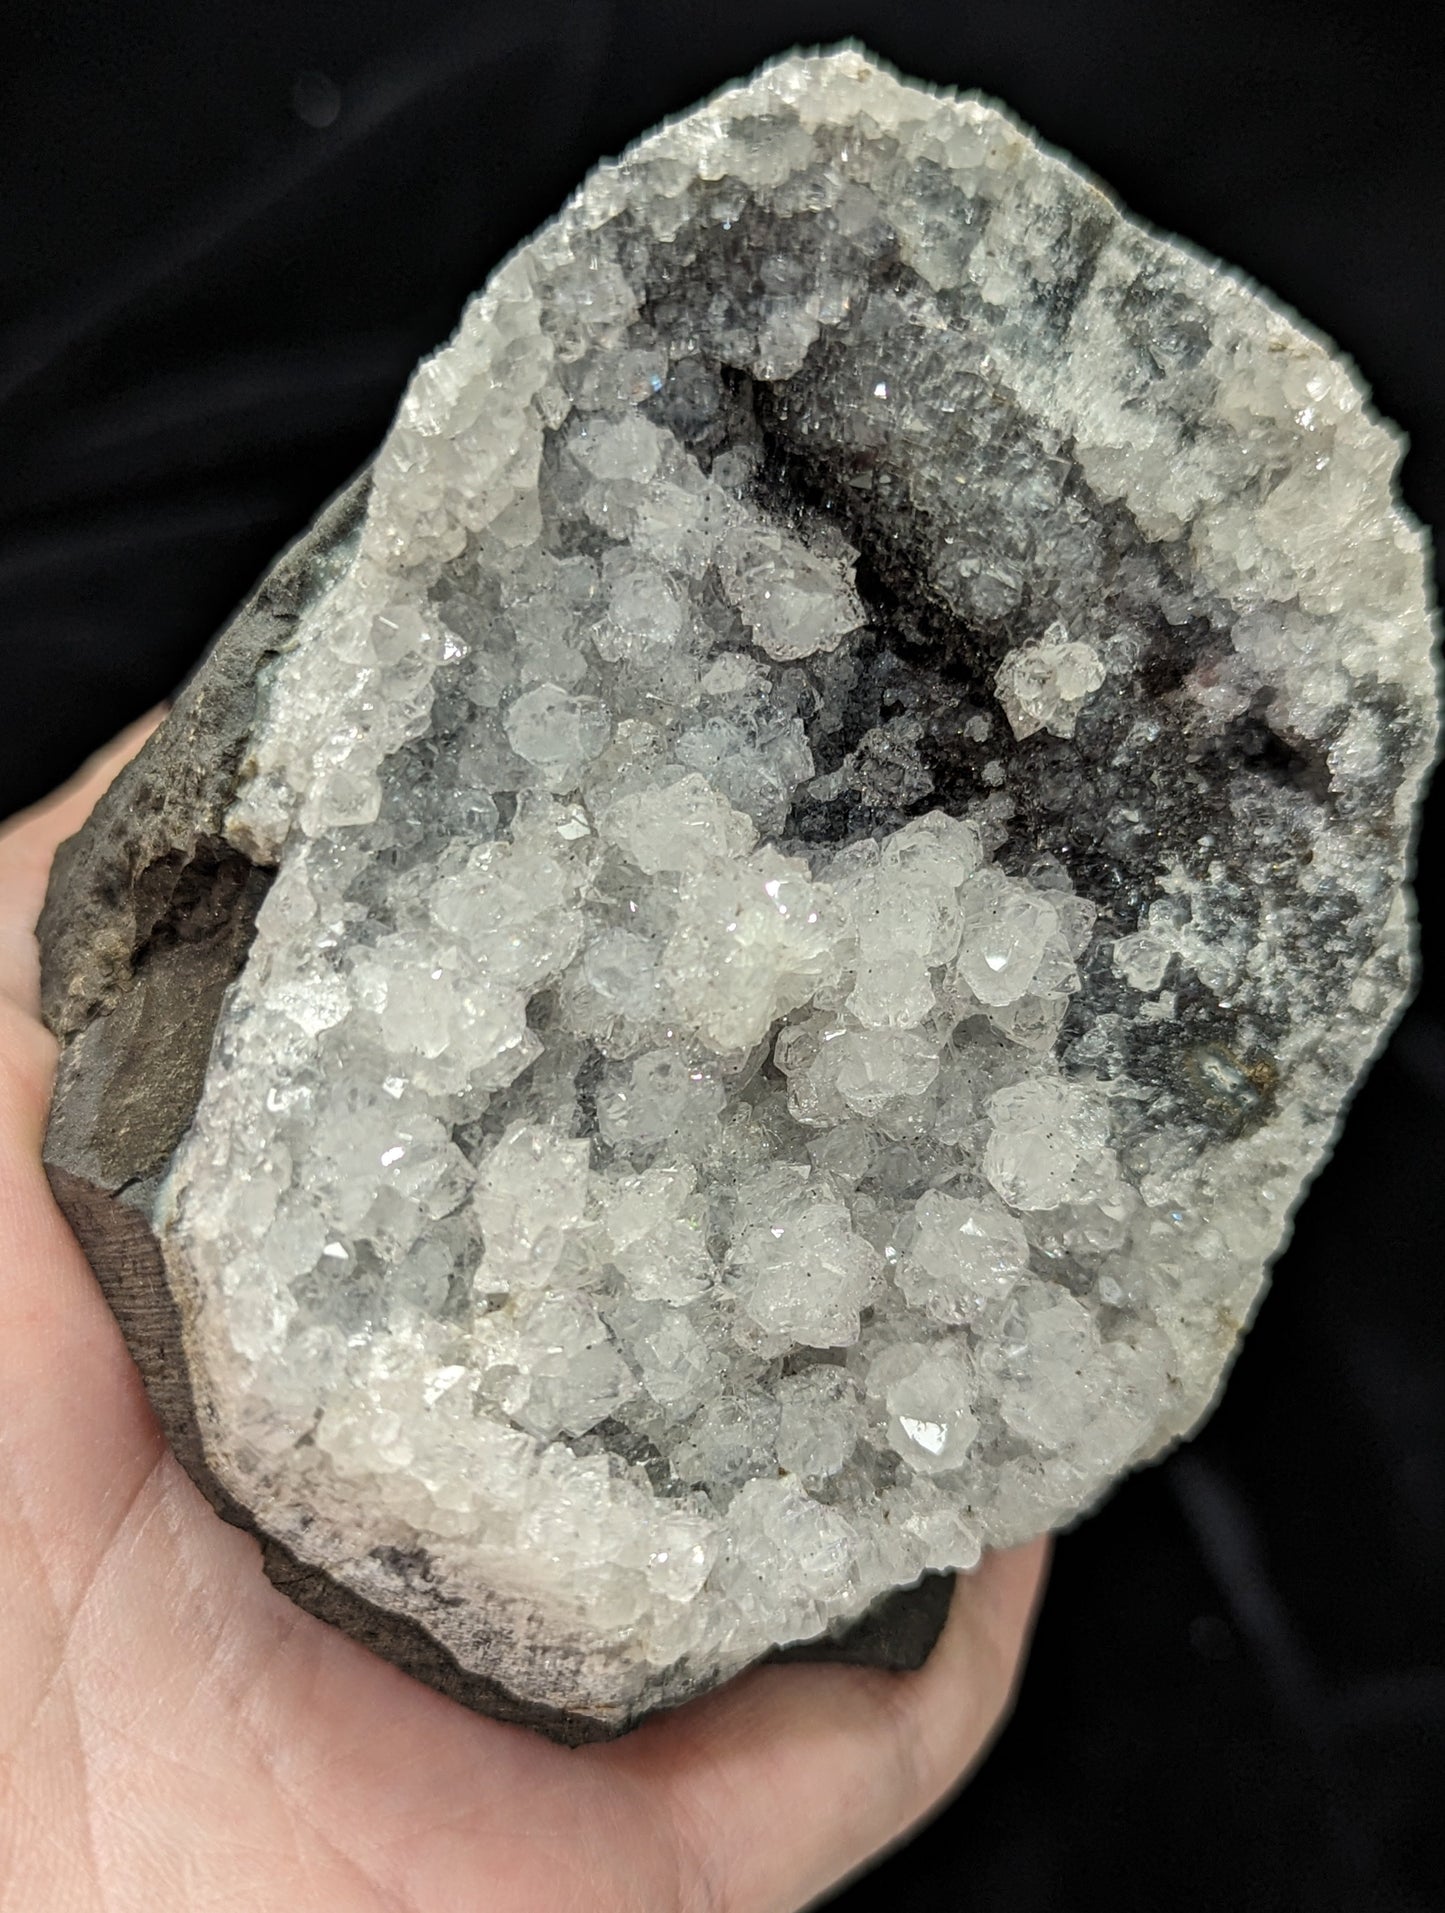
x,y
839,817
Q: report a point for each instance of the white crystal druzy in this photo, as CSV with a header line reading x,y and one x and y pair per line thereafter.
x,y
839,848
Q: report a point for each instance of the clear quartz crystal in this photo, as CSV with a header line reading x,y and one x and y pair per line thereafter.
x,y
700,1137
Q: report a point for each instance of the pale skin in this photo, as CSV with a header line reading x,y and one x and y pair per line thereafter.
x,y
175,1734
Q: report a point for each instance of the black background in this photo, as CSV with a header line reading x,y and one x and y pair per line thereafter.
x,y
227,232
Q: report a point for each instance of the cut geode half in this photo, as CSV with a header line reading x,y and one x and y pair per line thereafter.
x,y
839,814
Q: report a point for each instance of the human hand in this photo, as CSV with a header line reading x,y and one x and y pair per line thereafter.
x,y
175,1734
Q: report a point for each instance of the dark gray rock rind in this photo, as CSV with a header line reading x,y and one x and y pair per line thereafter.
x,y
148,919
150,908
113,884
898,1632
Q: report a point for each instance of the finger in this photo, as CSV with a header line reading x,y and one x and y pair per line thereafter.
x,y
28,843
790,1778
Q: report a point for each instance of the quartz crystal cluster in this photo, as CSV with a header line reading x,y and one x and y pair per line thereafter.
x,y
839,847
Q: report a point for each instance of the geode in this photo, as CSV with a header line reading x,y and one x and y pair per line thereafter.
x,y
721,992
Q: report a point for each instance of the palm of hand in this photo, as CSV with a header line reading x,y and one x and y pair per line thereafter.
x,y
174,1733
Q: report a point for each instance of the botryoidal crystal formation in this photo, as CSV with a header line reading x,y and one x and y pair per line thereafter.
x,y
839,845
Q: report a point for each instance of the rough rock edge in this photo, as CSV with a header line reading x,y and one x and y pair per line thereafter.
x,y
148,918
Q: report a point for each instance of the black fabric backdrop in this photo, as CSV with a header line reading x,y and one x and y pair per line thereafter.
x,y
228,232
